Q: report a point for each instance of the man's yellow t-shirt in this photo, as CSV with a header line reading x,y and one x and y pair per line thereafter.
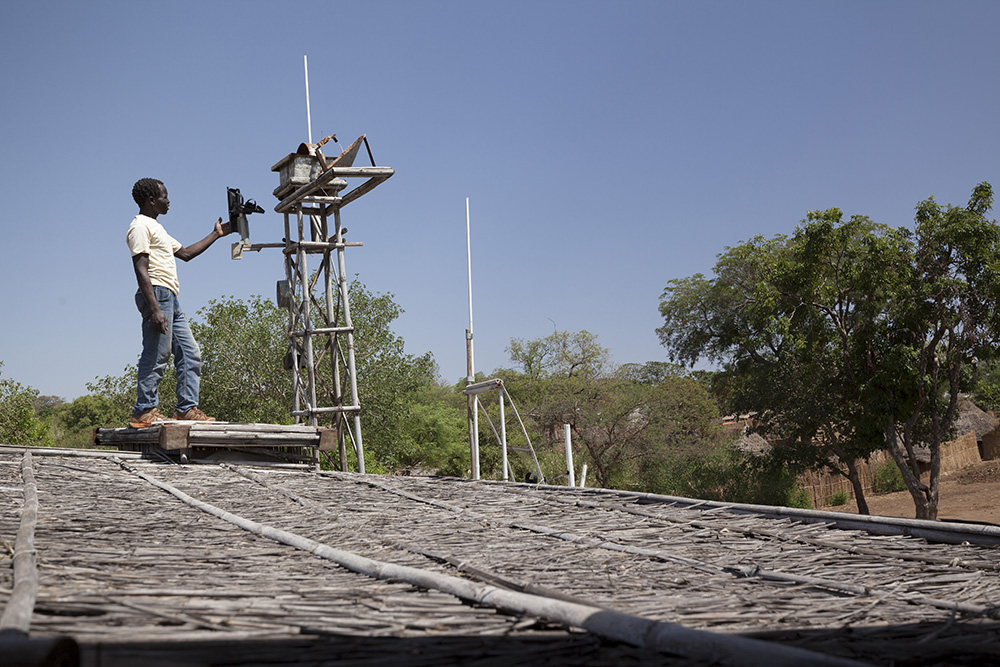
x,y
147,236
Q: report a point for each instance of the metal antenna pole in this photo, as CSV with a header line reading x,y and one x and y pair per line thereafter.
x,y
309,123
468,253
306,323
473,413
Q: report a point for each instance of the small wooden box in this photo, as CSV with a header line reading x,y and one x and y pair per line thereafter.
x,y
294,171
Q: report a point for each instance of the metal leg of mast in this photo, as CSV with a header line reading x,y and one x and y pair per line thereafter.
x,y
336,331
314,328
307,339
352,375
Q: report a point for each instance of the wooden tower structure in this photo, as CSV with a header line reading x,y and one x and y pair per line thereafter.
x,y
311,194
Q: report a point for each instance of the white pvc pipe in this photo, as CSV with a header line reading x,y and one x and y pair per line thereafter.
x,y
474,444
503,438
309,123
583,476
569,456
487,385
468,254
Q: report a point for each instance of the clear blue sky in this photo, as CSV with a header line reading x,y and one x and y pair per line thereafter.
x,y
606,147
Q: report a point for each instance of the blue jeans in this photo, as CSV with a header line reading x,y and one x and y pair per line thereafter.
x,y
156,350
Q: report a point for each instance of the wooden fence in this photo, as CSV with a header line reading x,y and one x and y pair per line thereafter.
x,y
955,455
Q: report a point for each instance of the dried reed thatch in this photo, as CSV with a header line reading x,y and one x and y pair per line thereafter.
x,y
199,564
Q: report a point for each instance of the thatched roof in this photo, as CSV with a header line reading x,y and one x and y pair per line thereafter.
x,y
200,564
752,443
972,419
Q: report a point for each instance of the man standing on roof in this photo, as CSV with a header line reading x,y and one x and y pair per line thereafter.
x,y
164,327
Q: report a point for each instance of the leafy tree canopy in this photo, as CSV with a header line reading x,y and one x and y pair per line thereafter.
x,y
560,354
621,418
850,335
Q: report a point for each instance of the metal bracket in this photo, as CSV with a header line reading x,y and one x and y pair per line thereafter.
x,y
239,247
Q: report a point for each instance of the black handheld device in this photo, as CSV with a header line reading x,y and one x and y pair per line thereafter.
x,y
238,211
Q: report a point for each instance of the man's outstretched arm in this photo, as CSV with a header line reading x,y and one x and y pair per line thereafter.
x,y
190,252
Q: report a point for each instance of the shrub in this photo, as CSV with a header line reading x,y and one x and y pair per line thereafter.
x,y
732,476
19,425
888,478
799,498
839,498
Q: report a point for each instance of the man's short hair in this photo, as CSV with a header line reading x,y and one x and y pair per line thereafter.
x,y
144,189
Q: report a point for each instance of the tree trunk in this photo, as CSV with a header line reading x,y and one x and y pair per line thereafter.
x,y
852,474
859,489
924,498
926,507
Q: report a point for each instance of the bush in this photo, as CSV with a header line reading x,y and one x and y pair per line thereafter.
x,y
73,423
839,498
799,498
19,425
888,478
729,475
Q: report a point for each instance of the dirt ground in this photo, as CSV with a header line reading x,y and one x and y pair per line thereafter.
x,y
972,494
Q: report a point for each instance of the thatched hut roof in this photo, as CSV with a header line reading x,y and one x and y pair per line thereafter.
x,y
972,419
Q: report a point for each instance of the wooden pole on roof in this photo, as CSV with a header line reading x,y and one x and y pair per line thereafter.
x,y
17,614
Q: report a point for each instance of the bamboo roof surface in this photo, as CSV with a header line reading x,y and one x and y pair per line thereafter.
x,y
135,573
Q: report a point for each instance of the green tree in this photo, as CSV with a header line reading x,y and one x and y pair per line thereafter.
x,y
729,474
652,372
44,405
121,391
949,318
243,345
622,420
629,430
748,318
850,336
986,385
561,354
388,377
73,423
19,425
435,435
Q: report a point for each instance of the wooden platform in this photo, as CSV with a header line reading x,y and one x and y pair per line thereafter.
x,y
214,441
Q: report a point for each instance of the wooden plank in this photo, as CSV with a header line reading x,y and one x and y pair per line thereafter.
x,y
346,158
375,175
173,435
364,188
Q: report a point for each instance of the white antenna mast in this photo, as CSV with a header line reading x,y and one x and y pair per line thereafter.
x,y
468,251
470,363
309,123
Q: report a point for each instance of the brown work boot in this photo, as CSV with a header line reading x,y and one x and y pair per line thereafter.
x,y
193,415
146,418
